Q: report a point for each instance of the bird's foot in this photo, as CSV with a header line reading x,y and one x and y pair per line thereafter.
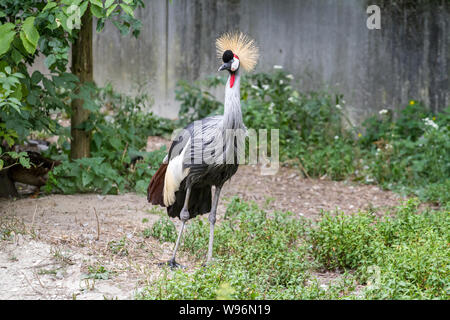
x,y
172,264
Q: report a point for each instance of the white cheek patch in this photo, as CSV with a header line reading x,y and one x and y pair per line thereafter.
x,y
235,64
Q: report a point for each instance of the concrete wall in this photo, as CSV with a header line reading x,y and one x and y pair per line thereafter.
x,y
321,42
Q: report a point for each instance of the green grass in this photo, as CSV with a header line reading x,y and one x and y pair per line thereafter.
x,y
259,255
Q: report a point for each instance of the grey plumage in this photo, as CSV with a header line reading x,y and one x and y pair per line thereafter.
x,y
204,154
216,147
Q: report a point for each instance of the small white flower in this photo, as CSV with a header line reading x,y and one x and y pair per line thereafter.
x,y
266,87
384,111
338,106
290,76
255,87
277,67
336,137
291,99
430,123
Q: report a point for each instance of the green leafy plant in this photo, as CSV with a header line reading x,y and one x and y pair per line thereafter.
x,y
118,247
410,154
98,272
31,28
197,102
342,241
118,162
258,256
400,257
262,255
86,175
14,158
164,230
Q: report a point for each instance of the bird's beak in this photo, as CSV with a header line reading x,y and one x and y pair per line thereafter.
x,y
226,66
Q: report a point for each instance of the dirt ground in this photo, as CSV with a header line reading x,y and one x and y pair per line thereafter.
x,y
59,241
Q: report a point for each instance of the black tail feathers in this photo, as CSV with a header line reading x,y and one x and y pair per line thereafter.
x,y
199,201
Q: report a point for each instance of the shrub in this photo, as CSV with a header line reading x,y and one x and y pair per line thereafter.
x,y
118,161
197,102
413,164
85,175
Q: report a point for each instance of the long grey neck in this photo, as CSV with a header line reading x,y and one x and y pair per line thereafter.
x,y
232,117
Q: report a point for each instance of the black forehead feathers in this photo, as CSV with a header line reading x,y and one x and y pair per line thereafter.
x,y
227,56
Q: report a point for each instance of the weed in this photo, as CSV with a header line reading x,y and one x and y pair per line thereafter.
x,y
61,256
403,255
164,230
118,247
256,256
48,271
98,272
11,226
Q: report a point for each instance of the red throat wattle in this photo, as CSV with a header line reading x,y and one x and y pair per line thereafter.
x,y
232,76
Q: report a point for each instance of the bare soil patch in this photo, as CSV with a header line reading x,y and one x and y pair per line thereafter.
x,y
288,191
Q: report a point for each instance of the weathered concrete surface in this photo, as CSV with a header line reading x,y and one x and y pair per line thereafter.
x,y
321,42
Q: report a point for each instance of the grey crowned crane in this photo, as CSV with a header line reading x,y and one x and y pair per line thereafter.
x,y
207,152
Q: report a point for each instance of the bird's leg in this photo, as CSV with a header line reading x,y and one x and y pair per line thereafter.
x,y
212,221
172,263
184,216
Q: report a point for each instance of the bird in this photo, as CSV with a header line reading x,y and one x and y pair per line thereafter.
x,y
207,152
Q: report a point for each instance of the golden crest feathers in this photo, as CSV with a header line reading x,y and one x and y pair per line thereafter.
x,y
241,45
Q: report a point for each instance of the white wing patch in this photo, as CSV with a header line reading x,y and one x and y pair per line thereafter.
x,y
174,175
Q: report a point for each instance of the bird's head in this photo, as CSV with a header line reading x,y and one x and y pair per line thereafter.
x,y
231,61
236,49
